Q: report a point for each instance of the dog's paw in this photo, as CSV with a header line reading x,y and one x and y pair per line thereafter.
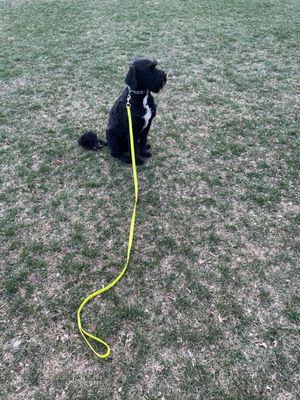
x,y
126,159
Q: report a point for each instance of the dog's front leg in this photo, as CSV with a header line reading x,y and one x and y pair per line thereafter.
x,y
138,159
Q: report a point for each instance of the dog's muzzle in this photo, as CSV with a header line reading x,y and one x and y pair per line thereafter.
x,y
161,82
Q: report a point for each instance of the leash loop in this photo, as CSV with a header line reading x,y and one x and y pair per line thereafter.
x,y
87,336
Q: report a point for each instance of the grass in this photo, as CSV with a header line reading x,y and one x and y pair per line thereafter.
x,y
209,308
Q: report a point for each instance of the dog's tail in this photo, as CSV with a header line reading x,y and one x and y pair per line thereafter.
x,y
90,141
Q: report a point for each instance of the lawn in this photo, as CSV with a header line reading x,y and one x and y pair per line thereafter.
x,y
209,307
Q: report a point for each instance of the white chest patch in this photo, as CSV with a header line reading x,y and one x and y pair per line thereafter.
x,y
148,113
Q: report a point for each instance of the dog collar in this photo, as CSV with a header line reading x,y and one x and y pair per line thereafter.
x,y
136,91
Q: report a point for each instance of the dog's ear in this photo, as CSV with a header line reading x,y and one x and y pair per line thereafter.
x,y
131,78
153,64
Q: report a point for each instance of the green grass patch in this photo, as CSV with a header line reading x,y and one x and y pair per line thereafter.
x,y
208,308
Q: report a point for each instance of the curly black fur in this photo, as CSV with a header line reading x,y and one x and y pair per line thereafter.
x,y
143,77
90,141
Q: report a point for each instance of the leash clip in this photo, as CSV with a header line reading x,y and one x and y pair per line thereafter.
x,y
128,100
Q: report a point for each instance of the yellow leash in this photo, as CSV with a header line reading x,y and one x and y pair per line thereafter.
x,y
87,336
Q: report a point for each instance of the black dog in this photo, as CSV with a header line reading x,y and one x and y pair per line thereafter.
x,y
143,78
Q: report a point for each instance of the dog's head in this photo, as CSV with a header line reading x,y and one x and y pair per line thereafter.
x,y
143,74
